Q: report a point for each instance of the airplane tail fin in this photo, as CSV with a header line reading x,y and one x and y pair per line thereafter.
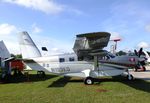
x,y
4,53
27,46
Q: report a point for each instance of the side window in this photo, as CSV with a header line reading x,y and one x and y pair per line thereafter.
x,y
61,60
43,64
47,65
80,58
71,59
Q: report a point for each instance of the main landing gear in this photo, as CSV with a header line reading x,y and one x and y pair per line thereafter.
x,y
41,74
89,81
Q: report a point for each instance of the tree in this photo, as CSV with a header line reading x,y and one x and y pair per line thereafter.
x,y
16,56
121,53
12,55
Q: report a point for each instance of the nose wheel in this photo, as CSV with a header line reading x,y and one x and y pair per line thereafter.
x,y
130,77
89,81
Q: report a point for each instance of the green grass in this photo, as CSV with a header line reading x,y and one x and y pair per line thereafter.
x,y
57,89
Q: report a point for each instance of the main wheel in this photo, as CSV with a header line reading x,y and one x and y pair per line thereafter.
x,y
144,69
130,77
89,81
41,74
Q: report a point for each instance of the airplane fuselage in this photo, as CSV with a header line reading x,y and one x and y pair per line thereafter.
x,y
69,65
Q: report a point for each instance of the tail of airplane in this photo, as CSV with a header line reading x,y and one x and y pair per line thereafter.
x,y
4,53
27,46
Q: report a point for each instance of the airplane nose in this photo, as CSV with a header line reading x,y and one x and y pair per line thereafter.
x,y
146,58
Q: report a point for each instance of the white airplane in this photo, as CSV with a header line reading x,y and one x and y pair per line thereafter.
x,y
4,58
146,55
84,63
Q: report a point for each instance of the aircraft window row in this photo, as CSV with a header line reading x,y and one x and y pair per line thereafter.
x,y
45,65
63,59
71,59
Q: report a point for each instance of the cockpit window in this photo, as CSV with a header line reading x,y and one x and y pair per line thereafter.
x,y
110,55
71,59
131,54
61,59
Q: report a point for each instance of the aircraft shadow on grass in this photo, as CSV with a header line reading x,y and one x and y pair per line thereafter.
x,y
138,84
61,82
29,78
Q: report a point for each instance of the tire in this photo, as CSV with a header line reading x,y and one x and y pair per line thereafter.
x,y
41,74
144,69
130,77
89,81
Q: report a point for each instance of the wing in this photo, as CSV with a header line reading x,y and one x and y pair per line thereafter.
x,y
90,43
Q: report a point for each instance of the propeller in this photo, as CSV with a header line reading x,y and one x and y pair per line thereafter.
x,y
140,51
141,60
136,53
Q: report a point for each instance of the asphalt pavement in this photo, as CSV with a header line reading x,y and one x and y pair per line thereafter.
x,y
145,75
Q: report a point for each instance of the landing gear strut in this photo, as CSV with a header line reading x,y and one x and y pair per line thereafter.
x,y
41,74
129,76
89,81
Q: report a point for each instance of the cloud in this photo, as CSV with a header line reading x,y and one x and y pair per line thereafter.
x,y
115,35
127,22
143,45
46,6
6,29
73,11
53,45
35,28
8,35
147,28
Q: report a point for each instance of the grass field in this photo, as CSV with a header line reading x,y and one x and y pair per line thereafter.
x,y
57,89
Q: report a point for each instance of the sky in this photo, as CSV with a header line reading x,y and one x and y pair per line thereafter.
x,y
55,23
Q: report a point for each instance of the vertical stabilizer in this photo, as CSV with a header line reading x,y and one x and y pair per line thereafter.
x,y
27,46
4,53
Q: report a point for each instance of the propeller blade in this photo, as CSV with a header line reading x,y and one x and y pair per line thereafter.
x,y
140,51
136,53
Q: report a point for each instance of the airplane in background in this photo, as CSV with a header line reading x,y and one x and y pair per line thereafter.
x,y
5,56
147,56
86,62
